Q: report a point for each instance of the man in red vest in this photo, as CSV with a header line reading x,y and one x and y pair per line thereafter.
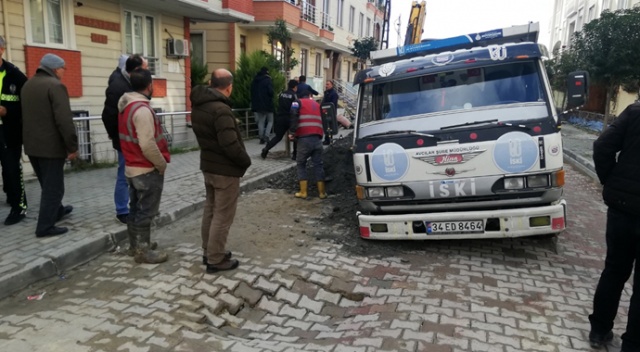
x,y
306,126
146,154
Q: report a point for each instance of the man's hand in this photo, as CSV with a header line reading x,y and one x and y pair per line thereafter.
x,y
3,111
72,156
291,137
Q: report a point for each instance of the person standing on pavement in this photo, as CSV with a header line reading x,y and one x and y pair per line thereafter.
x,y
223,160
283,117
146,155
304,87
50,139
306,127
618,173
11,82
330,96
119,84
262,103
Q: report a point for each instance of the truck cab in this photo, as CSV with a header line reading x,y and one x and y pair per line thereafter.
x,y
459,138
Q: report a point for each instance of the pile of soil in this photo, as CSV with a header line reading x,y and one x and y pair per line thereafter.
x,y
340,213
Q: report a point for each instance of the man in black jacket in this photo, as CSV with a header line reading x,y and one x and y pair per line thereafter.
x,y
118,85
262,103
283,117
330,96
621,193
11,82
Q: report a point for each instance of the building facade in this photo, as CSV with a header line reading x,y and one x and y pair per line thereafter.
x,y
569,16
322,32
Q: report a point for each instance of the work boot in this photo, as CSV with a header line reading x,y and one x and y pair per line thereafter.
x,y
263,153
322,191
143,252
598,341
131,251
303,189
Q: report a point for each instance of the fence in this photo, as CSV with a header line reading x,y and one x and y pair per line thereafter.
x,y
94,145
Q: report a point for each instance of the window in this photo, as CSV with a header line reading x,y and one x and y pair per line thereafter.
x,y
605,4
592,11
243,44
572,31
622,4
360,25
304,59
340,11
368,27
47,26
339,70
352,18
197,48
278,51
140,37
580,20
318,65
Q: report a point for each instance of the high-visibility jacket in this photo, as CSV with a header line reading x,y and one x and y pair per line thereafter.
x,y
309,120
129,138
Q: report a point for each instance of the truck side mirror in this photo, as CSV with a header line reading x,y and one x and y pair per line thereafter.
x,y
577,89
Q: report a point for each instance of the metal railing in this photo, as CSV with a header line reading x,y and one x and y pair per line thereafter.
x,y
308,12
326,21
94,145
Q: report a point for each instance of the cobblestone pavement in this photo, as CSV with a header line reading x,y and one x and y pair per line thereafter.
x,y
481,295
93,228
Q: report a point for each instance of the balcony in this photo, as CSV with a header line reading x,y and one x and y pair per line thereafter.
x,y
202,10
271,10
308,18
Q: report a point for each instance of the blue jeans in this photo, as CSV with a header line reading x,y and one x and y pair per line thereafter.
x,y
623,253
310,146
261,117
121,193
145,192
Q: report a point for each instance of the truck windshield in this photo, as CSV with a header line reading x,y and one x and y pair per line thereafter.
x,y
463,89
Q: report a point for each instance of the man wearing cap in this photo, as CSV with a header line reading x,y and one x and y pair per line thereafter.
x,y
11,82
49,139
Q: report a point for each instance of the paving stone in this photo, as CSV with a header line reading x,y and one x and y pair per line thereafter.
x,y
248,294
327,296
266,285
307,303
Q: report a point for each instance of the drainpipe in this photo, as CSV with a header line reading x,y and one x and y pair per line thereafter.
x,y
5,14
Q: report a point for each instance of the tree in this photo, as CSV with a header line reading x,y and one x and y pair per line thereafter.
x,y
280,34
247,68
607,48
199,73
363,47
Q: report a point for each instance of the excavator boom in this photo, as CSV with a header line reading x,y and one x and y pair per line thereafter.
x,y
416,23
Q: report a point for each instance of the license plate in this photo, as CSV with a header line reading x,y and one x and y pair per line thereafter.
x,y
454,227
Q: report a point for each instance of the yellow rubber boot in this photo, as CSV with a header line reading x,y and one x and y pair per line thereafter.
x,y
322,191
303,189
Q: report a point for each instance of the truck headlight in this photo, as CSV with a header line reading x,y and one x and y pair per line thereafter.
x,y
375,192
534,181
396,191
513,182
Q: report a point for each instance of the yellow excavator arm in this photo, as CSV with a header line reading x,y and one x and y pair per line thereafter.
x,y
416,23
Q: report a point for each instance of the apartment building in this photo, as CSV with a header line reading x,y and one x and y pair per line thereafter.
x,y
322,32
569,16
92,34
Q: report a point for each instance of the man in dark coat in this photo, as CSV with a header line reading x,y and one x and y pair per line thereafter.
x,y
262,103
223,160
50,138
119,83
330,96
304,87
11,82
283,118
616,155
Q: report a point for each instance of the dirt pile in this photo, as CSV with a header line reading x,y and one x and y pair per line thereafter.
x,y
340,215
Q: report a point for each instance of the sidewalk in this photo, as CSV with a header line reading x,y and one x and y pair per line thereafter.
x,y
93,229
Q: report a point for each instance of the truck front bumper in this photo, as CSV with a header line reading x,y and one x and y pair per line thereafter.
x,y
541,220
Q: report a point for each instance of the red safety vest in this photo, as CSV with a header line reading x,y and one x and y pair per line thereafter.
x,y
310,120
129,137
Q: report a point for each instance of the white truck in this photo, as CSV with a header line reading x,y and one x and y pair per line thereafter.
x,y
459,138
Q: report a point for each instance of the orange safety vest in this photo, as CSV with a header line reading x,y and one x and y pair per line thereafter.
x,y
129,137
310,120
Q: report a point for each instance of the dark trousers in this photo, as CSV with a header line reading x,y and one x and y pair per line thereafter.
x,y
310,146
218,214
145,192
623,249
13,183
50,173
281,128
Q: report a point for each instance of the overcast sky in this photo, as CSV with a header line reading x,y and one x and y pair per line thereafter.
x,y
450,18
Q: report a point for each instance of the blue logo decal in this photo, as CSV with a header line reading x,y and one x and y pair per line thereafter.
x,y
515,152
390,162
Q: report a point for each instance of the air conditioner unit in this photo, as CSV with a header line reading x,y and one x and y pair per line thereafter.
x,y
326,63
177,47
